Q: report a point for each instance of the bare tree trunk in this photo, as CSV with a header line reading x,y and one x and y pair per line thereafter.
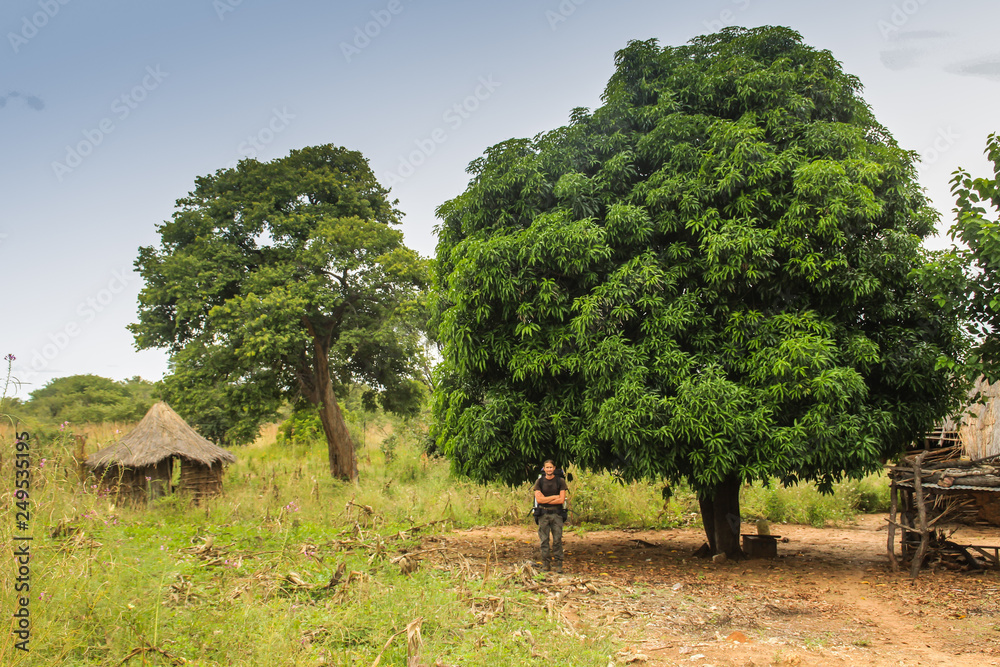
x,y
721,516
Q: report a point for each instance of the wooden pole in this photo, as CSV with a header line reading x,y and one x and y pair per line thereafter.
x,y
891,541
80,458
918,495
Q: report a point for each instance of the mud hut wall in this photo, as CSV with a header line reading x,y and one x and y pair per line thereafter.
x,y
132,483
121,482
199,479
979,434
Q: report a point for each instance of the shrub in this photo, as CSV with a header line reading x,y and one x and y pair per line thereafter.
x,y
302,427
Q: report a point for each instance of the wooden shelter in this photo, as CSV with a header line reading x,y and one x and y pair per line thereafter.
x,y
951,477
979,432
161,455
975,436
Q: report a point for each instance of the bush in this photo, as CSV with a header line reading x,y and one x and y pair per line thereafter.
x,y
217,584
388,447
869,495
602,499
302,427
803,503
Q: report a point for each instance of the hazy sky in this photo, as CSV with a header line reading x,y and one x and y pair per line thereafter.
x,y
109,109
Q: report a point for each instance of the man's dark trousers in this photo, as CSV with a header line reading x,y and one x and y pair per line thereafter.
x,y
551,522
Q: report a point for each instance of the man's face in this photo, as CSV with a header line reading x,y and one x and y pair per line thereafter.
x,y
549,469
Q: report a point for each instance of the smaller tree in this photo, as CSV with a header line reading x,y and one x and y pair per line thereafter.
x,y
284,281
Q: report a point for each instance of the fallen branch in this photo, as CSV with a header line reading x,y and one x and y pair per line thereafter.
x,y
644,543
410,554
904,527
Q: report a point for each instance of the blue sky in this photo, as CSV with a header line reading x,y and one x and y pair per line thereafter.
x,y
110,109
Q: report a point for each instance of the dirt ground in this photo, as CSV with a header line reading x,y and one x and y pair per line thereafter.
x,y
829,598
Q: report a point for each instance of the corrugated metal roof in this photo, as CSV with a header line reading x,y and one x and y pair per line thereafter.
x,y
953,487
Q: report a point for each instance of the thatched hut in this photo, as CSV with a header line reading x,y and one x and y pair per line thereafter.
x,y
161,455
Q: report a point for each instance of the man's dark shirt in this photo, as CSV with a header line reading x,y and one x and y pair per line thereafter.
x,y
550,487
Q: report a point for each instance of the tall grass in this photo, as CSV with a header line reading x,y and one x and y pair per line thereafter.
x,y
803,504
602,500
288,568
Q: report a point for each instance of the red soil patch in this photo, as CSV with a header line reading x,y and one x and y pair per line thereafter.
x,y
828,599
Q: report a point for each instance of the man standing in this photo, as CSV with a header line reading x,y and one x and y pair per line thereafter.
x,y
550,494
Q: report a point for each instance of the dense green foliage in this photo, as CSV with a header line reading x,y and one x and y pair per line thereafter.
x,y
81,399
284,281
301,427
711,277
979,229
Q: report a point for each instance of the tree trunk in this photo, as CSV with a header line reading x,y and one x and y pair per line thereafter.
x,y
340,445
720,514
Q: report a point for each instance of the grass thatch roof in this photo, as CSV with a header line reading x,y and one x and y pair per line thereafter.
x,y
161,434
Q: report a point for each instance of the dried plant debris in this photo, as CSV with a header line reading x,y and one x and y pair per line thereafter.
x,y
77,541
181,592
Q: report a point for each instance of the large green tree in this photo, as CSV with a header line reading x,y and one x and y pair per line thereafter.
x,y
280,281
711,277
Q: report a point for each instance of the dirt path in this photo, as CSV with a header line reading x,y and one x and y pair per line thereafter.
x,y
828,599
